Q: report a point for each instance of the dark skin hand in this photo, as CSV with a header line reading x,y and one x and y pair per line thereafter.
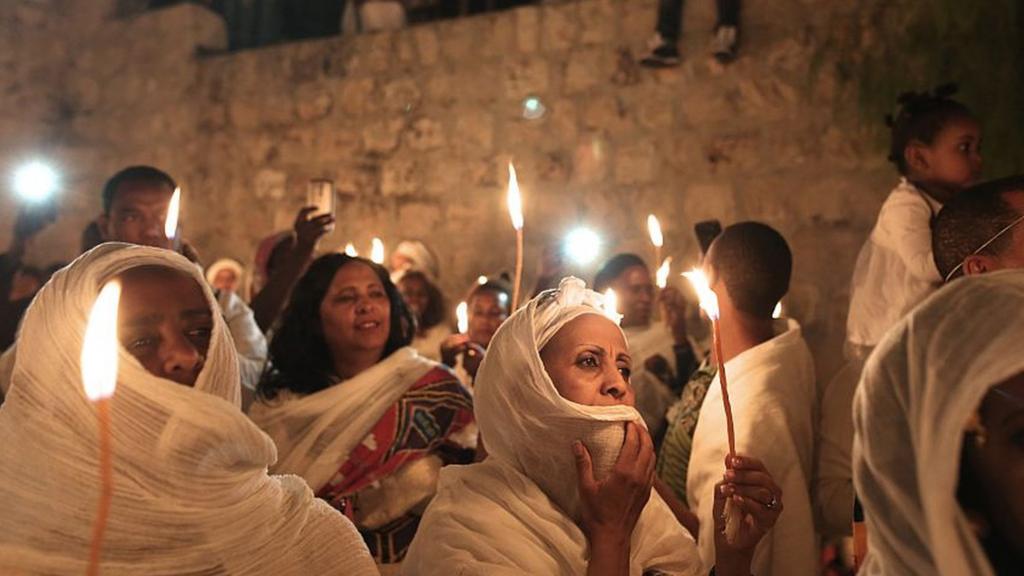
x,y
748,484
472,353
267,305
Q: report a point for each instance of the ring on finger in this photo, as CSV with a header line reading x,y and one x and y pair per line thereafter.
x,y
773,503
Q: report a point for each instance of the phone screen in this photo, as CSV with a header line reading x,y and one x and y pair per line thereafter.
x,y
320,193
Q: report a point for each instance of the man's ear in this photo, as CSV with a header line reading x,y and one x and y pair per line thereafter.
x,y
980,264
103,221
916,156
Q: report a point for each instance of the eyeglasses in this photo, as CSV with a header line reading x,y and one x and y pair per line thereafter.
x,y
998,235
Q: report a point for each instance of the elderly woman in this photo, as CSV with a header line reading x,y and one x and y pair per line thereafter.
x,y
191,494
366,421
567,486
938,456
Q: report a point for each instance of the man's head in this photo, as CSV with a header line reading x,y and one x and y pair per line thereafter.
x,y
980,230
749,266
629,276
135,203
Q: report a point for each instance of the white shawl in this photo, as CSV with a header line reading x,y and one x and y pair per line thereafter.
x,y
918,390
191,491
315,433
773,396
514,513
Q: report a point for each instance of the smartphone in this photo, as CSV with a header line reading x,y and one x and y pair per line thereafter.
x,y
706,232
320,193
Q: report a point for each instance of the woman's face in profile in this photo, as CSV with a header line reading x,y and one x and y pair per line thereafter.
x,y
589,363
165,322
997,462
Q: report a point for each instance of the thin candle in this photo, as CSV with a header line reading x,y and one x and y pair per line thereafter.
x,y
462,315
377,251
611,306
661,277
171,222
657,239
709,303
99,378
515,212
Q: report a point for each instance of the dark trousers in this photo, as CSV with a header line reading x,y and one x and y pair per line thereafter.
x,y
670,17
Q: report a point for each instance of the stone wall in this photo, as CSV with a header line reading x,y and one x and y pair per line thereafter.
x,y
416,129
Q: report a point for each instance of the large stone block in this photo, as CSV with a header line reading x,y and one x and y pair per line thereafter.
x,y
425,134
474,132
312,103
586,69
427,44
402,95
598,19
560,24
383,136
525,76
400,177
635,164
356,95
527,21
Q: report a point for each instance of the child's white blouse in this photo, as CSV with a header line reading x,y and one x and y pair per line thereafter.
x,y
895,269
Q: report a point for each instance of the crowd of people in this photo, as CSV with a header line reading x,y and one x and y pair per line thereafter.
x,y
322,413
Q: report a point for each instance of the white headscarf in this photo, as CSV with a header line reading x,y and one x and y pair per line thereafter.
x,y
191,491
523,419
227,264
517,512
917,393
423,260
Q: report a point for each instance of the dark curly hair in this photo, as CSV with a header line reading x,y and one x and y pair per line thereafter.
x,y
299,358
921,116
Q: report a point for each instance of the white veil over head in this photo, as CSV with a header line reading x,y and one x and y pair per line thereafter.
x,y
918,391
523,419
191,491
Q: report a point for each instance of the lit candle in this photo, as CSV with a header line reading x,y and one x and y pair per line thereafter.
x,y
350,250
515,212
657,239
377,251
171,223
663,271
462,315
99,377
611,306
709,303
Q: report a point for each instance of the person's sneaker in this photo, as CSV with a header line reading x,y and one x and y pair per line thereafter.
x,y
723,44
661,54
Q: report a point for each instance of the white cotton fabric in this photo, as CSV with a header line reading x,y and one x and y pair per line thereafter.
x,y
250,342
422,260
316,432
895,269
774,397
191,491
917,393
517,512
429,344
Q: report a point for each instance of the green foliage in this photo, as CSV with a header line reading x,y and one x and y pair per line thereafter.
x,y
894,46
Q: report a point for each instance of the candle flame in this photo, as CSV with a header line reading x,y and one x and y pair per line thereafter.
x,y
777,312
515,199
377,250
611,306
350,250
171,223
663,271
462,314
654,230
99,351
708,298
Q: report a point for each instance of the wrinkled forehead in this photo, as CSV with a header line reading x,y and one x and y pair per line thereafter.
x,y
578,326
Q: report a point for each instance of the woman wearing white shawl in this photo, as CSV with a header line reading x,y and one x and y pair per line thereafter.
x,y
523,510
191,491
354,410
939,430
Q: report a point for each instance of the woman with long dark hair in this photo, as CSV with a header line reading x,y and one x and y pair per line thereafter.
x,y
355,411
